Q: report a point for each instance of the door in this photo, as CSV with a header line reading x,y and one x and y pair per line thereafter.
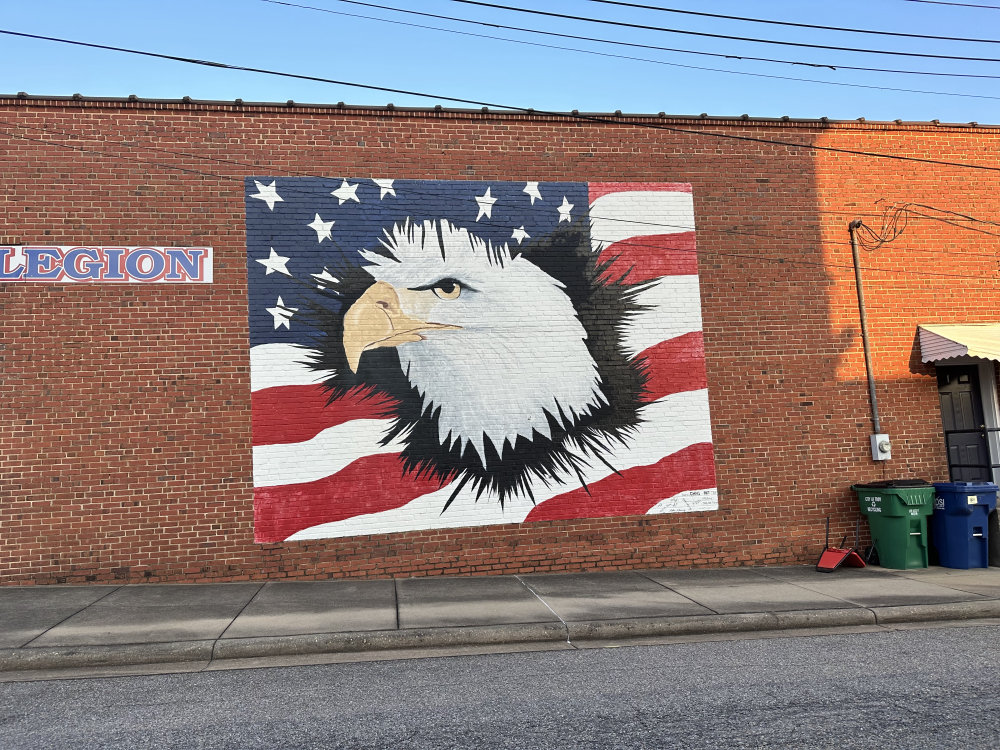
x,y
962,416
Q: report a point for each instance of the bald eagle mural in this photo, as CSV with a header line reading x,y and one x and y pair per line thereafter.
x,y
430,354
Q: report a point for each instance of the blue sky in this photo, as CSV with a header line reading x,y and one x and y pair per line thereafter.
x,y
263,34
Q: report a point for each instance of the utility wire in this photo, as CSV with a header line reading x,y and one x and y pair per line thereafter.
x,y
909,210
796,25
960,5
965,217
661,225
955,221
644,27
292,173
744,256
894,222
632,58
635,45
526,110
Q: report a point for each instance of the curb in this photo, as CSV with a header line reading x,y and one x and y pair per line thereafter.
x,y
72,657
387,640
133,654
931,612
129,654
715,624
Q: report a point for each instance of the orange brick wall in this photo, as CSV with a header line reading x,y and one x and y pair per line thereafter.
x,y
125,430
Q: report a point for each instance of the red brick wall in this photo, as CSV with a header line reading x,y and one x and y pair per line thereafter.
x,y
125,427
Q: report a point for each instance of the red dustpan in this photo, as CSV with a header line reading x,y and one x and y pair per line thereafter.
x,y
833,557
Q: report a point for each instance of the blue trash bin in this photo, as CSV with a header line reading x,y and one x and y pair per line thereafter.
x,y
959,526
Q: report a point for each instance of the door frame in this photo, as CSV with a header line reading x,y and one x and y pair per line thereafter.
x,y
986,369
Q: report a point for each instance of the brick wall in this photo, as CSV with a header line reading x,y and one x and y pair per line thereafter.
x,y
125,434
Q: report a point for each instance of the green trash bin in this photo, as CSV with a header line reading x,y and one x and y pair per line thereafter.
x,y
897,512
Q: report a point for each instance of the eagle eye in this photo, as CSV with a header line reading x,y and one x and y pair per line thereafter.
x,y
447,289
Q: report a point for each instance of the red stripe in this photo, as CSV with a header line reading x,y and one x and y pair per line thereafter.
x,y
692,468
676,365
295,413
600,189
368,485
651,256
376,483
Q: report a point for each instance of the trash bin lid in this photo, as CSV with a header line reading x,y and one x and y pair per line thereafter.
x,y
971,487
894,484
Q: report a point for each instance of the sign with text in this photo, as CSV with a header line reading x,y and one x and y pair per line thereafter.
x,y
98,264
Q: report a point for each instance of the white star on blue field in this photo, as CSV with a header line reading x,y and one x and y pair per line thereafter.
x,y
301,230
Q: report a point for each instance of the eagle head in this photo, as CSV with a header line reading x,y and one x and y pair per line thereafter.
x,y
502,365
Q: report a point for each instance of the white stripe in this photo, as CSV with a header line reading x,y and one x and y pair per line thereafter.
x,y
327,453
675,309
272,365
670,424
689,501
619,216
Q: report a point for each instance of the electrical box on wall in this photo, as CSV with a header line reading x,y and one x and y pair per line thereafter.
x,y
881,447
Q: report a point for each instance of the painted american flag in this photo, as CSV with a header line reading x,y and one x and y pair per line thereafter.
x,y
320,469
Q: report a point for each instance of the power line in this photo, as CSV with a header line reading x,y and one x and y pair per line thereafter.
x,y
908,206
644,27
82,150
960,5
605,120
628,57
635,45
744,256
893,214
294,173
756,259
965,217
796,25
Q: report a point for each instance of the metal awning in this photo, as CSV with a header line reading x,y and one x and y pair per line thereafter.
x,y
981,340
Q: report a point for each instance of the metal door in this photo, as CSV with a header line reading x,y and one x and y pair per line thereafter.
x,y
964,428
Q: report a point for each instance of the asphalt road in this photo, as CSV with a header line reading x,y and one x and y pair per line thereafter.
x,y
914,688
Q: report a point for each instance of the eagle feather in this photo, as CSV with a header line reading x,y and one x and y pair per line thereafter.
x,y
504,366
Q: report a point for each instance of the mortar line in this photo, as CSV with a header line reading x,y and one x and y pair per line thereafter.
x,y
546,604
27,643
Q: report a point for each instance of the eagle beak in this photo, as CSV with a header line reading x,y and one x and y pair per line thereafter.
x,y
377,320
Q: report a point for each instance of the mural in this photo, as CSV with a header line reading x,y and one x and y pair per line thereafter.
x,y
429,354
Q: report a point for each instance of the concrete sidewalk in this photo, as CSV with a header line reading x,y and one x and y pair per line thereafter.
x,y
162,627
